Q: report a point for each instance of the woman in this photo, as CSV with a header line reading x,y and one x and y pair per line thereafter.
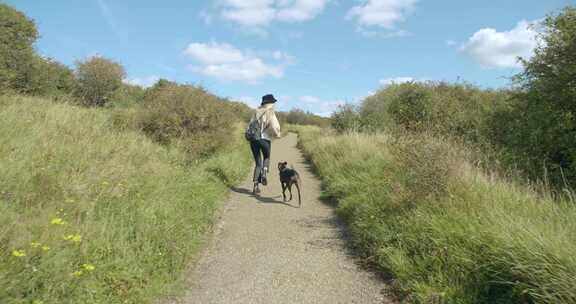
x,y
261,147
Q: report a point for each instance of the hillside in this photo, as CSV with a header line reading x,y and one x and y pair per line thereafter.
x,y
92,214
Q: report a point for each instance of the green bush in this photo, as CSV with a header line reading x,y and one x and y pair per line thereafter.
x,y
17,36
457,110
188,116
89,214
97,79
300,117
48,77
128,96
540,126
346,118
242,110
448,232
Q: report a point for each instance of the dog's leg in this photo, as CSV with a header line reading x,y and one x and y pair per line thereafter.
x,y
297,183
290,189
283,190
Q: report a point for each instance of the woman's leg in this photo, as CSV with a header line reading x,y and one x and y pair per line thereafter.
x,y
266,147
255,147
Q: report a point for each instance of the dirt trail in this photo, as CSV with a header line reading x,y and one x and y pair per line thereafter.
x,y
266,251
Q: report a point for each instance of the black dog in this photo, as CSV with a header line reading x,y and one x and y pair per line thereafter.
x,y
289,177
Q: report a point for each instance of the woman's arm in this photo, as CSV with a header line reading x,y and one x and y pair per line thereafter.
x,y
274,125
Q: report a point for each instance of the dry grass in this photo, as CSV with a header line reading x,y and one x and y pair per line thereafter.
x,y
93,214
449,232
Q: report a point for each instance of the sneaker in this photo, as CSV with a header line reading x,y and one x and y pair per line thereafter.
x,y
264,179
256,189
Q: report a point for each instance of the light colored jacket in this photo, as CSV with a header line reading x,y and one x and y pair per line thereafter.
x,y
269,121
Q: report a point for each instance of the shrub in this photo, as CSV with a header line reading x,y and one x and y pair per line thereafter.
x,y
541,124
243,111
92,215
188,116
17,36
346,118
457,110
98,79
128,96
299,117
447,231
48,77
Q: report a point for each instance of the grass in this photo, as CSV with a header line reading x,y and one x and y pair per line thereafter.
x,y
448,231
90,213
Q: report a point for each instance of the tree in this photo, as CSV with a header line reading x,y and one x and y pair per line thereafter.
x,y
346,118
544,115
17,36
98,79
48,77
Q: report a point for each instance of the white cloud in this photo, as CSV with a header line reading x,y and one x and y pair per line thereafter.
x,y
451,43
317,105
279,55
493,49
299,10
309,99
214,53
260,13
145,82
224,61
396,80
381,13
249,100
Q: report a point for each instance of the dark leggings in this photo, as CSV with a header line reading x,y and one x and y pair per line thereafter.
x,y
260,149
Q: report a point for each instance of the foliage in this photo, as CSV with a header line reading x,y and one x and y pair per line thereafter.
x,y
89,214
458,110
300,117
449,233
98,79
188,116
540,126
48,77
128,96
17,36
242,110
346,118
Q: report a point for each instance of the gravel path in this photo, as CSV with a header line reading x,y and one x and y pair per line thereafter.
x,y
265,251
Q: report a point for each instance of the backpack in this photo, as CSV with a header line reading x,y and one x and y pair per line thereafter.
x,y
254,130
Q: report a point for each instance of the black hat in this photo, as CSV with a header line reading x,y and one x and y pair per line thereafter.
x,y
268,99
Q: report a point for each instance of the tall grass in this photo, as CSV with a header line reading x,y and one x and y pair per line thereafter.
x,y
93,214
449,232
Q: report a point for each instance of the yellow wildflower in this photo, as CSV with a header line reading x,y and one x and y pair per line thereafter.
x,y
35,244
74,238
69,200
105,183
57,221
88,267
18,253
77,273
45,248
37,302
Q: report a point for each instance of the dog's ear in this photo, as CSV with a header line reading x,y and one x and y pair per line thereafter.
x,y
285,163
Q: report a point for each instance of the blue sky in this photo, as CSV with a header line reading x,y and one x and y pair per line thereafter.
x,y
313,54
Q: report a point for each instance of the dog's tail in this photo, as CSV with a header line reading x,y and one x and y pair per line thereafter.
x,y
299,194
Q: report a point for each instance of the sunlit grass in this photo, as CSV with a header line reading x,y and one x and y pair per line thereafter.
x,y
93,214
449,232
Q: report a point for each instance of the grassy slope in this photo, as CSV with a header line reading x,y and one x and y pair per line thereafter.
x,y
449,233
89,214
